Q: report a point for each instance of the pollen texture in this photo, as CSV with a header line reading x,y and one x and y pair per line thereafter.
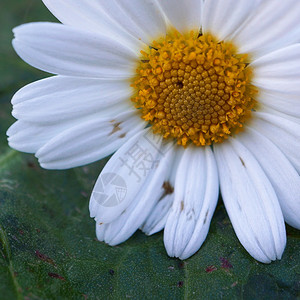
x,y
193,88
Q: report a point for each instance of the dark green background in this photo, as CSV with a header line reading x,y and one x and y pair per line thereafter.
x,y
48,248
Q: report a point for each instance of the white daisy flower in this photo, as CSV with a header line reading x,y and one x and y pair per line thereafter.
x,y
190,95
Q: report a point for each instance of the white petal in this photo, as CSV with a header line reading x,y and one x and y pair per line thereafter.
x,y
100,231
63,50
284,133
250,201
143,19
60,98
271,111
28,137
89,141
196,196
285,102
89,15
208,207
156,220
183,15
283,177
278,71
274,25
133,217
132,164
223,17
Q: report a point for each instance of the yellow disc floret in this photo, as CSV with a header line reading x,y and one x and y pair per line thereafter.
x,y
193,88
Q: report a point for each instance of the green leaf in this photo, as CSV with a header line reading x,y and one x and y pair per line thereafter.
x,y
48,248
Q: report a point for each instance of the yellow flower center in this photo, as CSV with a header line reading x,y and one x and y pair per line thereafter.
x,y
193,88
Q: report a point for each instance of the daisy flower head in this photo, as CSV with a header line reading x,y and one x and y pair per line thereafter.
x,y
193,97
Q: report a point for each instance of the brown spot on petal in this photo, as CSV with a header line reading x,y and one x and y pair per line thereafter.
x,y
115,128
182,206
168,188
243,163
205,218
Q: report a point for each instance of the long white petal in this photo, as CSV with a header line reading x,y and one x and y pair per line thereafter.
x,y
268,110
157,218
274,25
90,16
64,50
28,137
208,207
284,133
134,216
183,15
61,98
223,17
196,195
251,202
89,141
143,19
283,177
286,102
278,71
131,164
